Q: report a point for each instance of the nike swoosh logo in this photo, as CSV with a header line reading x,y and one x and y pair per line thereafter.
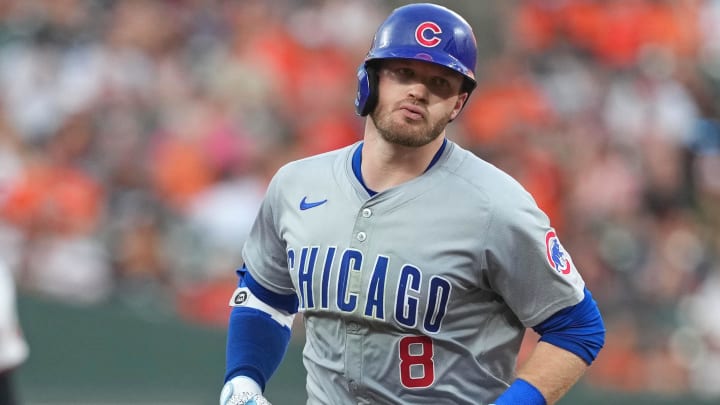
x,y
304,204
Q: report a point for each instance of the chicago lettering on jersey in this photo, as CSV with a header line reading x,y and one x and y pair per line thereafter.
x,y
332,291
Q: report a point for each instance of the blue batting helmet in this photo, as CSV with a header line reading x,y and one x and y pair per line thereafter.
x,y
425,32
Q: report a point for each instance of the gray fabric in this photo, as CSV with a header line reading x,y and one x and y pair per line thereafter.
x,y
464,234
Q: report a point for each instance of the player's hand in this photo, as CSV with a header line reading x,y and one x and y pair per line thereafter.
x,y
242,390
247,398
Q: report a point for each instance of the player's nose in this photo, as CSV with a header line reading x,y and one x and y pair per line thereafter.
x,y
418,91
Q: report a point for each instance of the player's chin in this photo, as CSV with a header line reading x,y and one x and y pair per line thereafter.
x,y
410,128
410,139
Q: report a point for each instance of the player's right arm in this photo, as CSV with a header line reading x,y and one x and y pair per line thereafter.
x,y
539,282
258,336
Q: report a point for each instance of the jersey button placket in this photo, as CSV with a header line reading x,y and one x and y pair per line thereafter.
x,y
362,221
354,356
355,331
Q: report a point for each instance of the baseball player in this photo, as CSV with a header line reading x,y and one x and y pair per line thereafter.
x,y
417,266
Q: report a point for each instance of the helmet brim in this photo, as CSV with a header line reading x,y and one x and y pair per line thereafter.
x,y
439,58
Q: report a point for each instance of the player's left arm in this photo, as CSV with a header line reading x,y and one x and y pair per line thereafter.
x,y
570,340
258,336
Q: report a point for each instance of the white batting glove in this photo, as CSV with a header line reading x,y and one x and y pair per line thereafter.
x,y
242,391
247,398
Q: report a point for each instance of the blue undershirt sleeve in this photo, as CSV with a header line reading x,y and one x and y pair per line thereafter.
x,y
288,303
578,329
256,343
521,392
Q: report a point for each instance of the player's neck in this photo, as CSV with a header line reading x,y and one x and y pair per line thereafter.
x,y
385,165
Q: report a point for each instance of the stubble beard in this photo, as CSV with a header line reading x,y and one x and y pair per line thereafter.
x,y
403,132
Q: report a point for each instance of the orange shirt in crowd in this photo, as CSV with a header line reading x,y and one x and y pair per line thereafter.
x,y
498,107
55,199
180,170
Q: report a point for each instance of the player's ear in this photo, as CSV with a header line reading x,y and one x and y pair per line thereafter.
x,y
459,103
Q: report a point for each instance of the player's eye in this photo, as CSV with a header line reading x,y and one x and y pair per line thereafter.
x,y
440,83
403,73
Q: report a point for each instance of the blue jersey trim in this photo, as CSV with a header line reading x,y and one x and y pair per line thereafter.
x,y
437,154
256,345
357,163
578,329
288,303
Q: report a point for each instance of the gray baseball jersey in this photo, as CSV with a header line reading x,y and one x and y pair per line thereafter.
x,y
418,295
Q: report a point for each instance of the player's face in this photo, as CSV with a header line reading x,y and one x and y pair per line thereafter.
x,y
416,100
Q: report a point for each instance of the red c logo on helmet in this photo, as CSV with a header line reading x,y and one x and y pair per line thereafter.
x,y
421,36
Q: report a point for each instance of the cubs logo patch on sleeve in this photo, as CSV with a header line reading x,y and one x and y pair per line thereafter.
x,y
557,256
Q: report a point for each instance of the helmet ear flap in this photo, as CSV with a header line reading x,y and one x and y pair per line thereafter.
x,y
367,93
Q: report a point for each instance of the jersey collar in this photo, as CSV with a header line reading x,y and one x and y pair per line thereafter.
x,y
357,162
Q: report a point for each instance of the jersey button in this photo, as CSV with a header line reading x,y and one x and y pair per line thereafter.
x,y
366,213
361,236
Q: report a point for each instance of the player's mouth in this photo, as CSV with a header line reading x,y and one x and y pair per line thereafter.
x,y
412,111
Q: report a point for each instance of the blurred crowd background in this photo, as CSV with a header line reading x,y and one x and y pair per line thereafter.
x,y
137,139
